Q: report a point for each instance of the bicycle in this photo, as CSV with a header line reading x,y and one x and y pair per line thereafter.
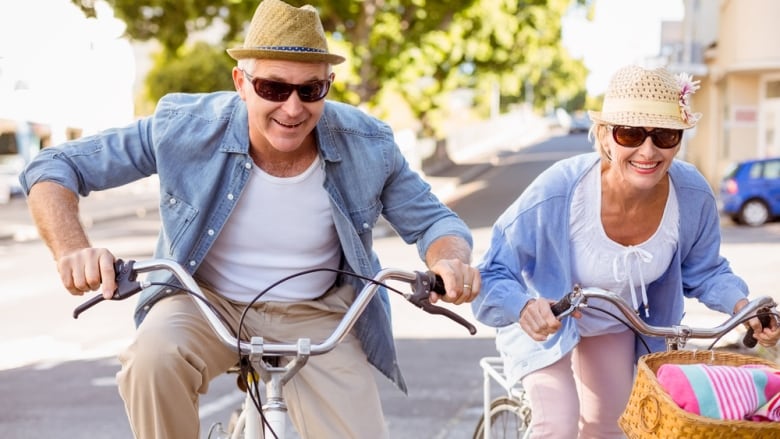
x,y
509,415
258,360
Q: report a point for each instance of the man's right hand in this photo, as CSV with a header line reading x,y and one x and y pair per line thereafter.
x,y
88,269
82,268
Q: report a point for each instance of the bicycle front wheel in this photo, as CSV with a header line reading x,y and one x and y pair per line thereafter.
x,y
509,418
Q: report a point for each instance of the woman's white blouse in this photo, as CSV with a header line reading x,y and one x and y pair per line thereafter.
x,y
598,261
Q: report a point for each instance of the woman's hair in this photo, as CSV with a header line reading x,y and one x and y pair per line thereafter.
x,y
596,132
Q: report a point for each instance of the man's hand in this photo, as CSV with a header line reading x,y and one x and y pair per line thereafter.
x,y
82,268
86,270
449,257
461,281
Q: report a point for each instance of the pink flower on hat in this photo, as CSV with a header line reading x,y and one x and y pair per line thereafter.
x,y
687,87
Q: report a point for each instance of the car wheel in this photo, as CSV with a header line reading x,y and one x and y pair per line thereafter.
x,y
754,213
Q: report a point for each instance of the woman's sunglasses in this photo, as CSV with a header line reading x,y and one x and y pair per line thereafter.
x,y
276,91
631,137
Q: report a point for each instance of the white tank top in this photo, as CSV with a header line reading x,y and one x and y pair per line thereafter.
x,y
598,261
280,226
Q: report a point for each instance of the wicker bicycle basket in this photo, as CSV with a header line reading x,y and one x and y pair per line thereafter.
x,y
651,412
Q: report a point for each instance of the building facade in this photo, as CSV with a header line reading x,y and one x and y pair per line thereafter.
x,y
731,46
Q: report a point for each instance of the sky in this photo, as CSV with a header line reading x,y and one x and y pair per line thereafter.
x,y
71,70
622,32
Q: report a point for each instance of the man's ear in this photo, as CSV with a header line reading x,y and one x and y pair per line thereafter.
x,y
238,81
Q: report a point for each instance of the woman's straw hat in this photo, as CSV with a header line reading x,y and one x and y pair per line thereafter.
x,y
284,32
648,98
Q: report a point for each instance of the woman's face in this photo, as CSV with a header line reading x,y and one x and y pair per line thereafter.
x,y
642,167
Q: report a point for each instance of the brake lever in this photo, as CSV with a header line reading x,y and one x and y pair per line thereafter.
x,y
423,285
126,286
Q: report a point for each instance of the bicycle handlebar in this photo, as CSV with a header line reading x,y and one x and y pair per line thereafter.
x,y
422,284
578,298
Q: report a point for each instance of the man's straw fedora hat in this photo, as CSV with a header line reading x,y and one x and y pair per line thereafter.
x,y
642,97
283,32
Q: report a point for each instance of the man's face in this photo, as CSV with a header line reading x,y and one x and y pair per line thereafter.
x,y
282,126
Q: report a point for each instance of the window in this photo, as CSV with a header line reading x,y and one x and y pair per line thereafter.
x,y
8,143
773,89
772,169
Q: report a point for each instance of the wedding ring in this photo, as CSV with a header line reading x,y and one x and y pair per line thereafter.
x,y
466,286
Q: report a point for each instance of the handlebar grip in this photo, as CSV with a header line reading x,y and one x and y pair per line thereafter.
x,y
561,306
750,340
437,284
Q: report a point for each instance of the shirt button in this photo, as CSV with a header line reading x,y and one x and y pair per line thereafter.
x,y
211,232
366,226
248,165
172,201
192,263
230,196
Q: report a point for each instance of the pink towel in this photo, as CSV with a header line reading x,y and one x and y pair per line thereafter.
x,y
750,392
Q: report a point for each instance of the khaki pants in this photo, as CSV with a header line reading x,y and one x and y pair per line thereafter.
x,y
176,354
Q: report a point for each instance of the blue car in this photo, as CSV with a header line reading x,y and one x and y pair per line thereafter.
x,y
750,191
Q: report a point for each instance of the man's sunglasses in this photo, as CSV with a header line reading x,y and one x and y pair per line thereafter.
x,y
276,91
631,137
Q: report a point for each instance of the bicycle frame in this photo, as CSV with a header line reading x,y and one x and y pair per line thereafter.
x,y
493,370
257,350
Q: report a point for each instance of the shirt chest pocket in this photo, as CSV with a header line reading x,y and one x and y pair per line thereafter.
x,y
177,217
365,217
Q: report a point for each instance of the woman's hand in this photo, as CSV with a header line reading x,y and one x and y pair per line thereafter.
x,y
537,320
766,336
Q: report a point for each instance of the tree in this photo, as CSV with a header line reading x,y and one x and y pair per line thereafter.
x,y
420,50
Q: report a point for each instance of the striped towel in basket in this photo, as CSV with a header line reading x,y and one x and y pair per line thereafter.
x,y
750,392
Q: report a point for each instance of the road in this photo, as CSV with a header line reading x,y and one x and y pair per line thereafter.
x,y
57,374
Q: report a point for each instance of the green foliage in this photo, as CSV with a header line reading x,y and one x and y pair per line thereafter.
x,y
197,68
419,50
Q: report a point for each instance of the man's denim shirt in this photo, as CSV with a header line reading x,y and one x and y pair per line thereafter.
x,y
198,145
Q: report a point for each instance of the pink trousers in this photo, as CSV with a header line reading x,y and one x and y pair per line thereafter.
x,y
583,394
